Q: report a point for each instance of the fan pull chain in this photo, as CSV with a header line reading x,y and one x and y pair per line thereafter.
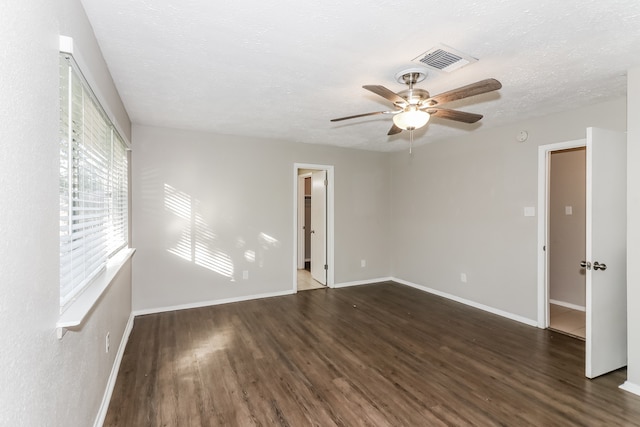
x,y
410,140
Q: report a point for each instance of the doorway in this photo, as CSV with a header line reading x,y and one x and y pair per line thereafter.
x,y
313,225
566,213
544,162
604,260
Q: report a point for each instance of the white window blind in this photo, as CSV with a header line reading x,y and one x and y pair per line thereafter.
x,y
93,184
118,210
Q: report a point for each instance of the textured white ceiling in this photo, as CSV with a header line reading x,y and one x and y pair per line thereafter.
x,y
282,68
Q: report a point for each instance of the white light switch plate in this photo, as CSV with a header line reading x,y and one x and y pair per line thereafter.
x,y
568,210
529,211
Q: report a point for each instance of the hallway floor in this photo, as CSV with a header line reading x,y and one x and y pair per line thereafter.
x,y
568,320
306,282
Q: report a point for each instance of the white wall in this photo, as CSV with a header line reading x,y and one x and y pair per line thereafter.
x,y
458,208
567,237
633,227
207,207
45,381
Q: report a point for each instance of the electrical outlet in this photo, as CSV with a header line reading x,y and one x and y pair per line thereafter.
x,y
245,274
463,277
107,343
363,263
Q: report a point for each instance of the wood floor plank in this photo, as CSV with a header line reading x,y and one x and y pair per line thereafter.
x,y
372,355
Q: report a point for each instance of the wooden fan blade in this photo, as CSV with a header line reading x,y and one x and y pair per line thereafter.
x,y
360,115
394,130
385,93
473,89
458,116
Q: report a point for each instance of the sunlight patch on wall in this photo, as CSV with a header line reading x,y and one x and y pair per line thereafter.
x,y
183,247
214,260
177,202
240,243
197,242
268,241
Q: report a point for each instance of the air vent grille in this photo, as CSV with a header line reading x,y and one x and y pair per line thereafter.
x,y
444,58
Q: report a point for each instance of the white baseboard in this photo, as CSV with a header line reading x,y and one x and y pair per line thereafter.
x,y
111,382
474,304
568,305
209,303
361,282
631,387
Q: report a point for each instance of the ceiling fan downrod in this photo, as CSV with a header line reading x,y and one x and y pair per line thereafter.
x,y
410,79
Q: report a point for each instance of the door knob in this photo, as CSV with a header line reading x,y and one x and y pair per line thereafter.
x,y
313,231
585,264
598,266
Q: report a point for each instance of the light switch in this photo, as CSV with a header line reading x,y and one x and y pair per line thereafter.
x,y
529,211
568,210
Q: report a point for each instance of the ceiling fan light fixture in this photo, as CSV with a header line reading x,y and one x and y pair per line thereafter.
x,y
411,119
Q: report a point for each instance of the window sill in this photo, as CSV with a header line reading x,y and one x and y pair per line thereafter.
x,y
75,314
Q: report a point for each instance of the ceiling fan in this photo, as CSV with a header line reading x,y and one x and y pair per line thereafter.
x,y
414,107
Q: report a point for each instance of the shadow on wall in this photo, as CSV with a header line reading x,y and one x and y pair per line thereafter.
x,y
194,240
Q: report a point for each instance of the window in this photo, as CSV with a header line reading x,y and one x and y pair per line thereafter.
x,y
93,184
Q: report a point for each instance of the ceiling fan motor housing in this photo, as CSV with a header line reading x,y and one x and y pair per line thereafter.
x,y
413,96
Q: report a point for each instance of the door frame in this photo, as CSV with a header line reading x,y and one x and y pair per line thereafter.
x,y
330,221
301,208
544,157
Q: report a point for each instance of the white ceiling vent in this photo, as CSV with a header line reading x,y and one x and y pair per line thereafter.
x,y
444,58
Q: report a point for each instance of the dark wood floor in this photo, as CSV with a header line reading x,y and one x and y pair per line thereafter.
x,y
376,355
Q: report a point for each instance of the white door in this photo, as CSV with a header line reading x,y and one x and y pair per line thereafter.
x,y
318,226
606,217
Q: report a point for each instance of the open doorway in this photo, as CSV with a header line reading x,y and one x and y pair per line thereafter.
x,y
313,227
604,260
564,183
566,214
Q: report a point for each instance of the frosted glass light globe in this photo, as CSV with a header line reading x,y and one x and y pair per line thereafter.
x,y
411,119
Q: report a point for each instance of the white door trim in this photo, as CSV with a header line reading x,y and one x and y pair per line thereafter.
x,y
330,221
544,153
